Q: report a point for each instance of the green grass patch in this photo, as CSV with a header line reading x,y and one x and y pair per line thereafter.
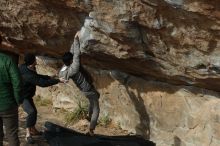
x,y
105,120
79,113
42,101
119,125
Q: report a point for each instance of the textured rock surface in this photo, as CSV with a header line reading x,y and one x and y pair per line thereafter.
x,y
164,113
42,26
173,41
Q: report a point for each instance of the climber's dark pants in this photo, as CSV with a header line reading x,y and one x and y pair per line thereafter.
x,y
93,97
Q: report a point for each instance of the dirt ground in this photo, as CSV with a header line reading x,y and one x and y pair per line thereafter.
x,y
46,113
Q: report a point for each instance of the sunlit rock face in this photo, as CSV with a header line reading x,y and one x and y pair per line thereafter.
x,y
164,113
164,55
41,26
173,41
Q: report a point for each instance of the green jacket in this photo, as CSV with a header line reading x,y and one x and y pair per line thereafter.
x,y
10,83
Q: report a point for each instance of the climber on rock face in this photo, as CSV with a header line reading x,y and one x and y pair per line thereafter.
x,y
73,69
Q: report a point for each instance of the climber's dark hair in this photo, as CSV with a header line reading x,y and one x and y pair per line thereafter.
x,y
67,58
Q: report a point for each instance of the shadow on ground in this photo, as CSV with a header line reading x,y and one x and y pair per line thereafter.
x,y
59,136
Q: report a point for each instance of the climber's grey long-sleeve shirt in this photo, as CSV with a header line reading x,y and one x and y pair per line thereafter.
x,y
73,71
79,77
